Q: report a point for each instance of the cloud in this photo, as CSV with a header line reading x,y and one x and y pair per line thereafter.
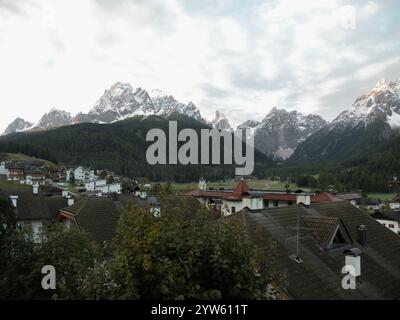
x,y
243,57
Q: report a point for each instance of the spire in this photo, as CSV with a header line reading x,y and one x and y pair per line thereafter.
x,y
241,188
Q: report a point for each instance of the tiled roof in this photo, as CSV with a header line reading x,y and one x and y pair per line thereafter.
x,y
349,196
33,207
96,215
319,276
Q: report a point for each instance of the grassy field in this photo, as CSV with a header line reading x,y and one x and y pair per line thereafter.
x,y
23,157
254,184
4,184
382,196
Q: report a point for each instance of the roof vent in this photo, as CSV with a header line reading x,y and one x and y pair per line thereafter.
x,y
362,235
14,200
35,189
71,201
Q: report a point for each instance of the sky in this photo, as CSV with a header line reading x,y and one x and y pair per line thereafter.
x,y
240,57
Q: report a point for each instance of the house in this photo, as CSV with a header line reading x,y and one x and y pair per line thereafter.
x,y
227,202
109,188
3,170
97,216
80,174
389,218
33,208
394,204
33,175
353,198
15,172
371,204
92,185
314,244
103,187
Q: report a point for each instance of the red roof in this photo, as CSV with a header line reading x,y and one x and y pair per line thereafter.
x,y
242,189
349,196
279,197
325,197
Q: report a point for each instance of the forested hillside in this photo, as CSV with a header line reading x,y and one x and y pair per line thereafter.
x,y
120,147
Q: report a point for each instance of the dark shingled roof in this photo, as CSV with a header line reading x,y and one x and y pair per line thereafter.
x,y
96,215
319,276
34,207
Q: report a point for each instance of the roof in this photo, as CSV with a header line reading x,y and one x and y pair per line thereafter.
x,y
396,198
96,215
34,207
319,276
325,197
387,215
243,189
349,196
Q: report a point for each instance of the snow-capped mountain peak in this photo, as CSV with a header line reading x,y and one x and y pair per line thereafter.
x,y
279,133
220,122
380,103
119,102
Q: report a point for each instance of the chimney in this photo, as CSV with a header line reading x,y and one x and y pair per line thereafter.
x,y
353,261
14,200
304,199
35,189
362,235
70,201
64,193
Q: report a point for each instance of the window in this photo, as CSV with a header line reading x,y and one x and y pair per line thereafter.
x,y
276,203
290,203
266,203
391,226
233,210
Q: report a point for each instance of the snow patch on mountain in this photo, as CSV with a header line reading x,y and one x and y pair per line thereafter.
x,y
220,122
394,120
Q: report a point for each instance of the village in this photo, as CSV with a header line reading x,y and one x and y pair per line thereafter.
x,y
92,202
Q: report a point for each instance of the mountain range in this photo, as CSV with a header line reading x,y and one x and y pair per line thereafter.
x,y
277,135
281,135
119,102
370,122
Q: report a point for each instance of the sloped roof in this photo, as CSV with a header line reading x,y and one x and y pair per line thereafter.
x,y
96,215
34,207
325,197
319,276
243,188
349,196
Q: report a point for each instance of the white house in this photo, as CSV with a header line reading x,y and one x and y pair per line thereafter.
x,y
92,185
80,174
3,170
390,219
109,188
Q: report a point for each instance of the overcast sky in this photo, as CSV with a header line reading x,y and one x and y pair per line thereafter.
x,y
241,57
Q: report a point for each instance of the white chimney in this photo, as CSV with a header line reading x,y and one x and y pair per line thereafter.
x,y
64,193
304,199
70,201
14,200
353,261
35,189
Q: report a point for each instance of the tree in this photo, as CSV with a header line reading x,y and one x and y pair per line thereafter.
x,y
183,255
